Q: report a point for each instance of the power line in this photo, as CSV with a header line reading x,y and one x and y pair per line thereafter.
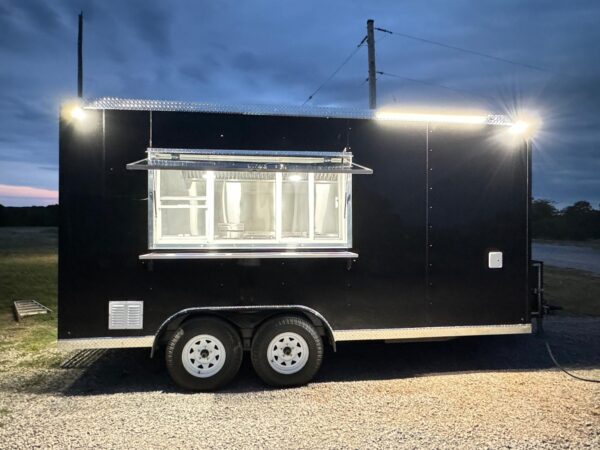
x,y
472,52
428,83
334,73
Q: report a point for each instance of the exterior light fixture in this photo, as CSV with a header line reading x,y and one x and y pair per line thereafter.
x,y
77,113
73,112
295,178
519,127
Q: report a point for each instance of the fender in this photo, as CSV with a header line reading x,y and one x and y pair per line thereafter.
x,y
186,311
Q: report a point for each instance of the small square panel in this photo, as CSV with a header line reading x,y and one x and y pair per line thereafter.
x,y
495,260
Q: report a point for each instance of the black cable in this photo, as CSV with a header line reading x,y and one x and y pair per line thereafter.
x,y
414,80
589,380
336,70
472,52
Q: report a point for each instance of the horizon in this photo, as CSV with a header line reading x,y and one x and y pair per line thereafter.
x,y
558,206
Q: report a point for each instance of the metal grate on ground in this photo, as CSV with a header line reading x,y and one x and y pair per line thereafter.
x,y
24,308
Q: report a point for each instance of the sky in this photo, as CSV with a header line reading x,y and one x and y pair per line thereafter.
x,y
280,51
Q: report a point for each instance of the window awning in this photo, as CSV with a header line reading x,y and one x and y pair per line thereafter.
x,y
249,161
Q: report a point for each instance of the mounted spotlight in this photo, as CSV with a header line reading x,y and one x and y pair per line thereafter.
x,y
73,112
519,127
525,125
77,113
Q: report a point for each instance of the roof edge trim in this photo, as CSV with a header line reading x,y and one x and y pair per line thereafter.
x,y
129,104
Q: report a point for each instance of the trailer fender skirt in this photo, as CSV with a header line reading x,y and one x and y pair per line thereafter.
x,y
300,308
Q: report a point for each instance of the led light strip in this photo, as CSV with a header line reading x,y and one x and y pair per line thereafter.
x,y
440,118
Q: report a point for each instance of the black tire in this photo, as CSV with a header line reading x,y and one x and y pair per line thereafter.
x,y
223,332
260,351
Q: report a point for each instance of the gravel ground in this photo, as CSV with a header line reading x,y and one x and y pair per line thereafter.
x,y
489,392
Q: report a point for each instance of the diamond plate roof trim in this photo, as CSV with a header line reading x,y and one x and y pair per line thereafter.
x,y
255,110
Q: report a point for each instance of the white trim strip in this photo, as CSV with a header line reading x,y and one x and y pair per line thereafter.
x,y
106,342
338,335
278,205
429,332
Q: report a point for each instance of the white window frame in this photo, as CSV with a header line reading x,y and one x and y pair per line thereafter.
x,y
210,243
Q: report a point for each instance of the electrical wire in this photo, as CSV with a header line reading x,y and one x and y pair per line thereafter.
x,y
577,377
472,52
334,73
429,83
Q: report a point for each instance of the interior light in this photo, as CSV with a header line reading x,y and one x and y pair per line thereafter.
x,y
442,118
295,178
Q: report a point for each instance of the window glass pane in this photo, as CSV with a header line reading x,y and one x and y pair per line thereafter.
x,y
244,205
178,183
182,222
181,205
327,206
219,209
294,206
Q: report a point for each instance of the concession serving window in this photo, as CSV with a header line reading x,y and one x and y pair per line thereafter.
x,y
248,200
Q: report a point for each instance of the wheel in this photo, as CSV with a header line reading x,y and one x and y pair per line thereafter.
x,y
204,354
286,351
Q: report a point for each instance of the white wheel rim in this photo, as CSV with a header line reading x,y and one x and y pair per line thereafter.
x,y
203,356
288,353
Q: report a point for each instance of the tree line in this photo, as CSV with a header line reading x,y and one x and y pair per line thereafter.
x,y
29,216
579,221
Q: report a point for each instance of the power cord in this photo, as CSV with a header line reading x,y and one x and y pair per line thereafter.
x,y
542,335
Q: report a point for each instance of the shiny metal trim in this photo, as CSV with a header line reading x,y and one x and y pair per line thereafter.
x,y
152,213
335,335
248,160
125,314
186,311
236,166
255,110
228,247
248,255
234,152
429,332
106,342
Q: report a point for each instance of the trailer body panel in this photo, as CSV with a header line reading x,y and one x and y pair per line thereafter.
x,y
439,200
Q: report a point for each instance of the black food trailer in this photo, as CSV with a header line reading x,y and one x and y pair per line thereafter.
x,y
214,230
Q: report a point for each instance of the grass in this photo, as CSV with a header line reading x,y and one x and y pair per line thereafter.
x,y
575,291
28,270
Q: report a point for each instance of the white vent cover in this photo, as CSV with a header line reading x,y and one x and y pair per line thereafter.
x,y
125,315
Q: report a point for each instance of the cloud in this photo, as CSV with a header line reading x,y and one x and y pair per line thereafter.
x,y
268,51
27,201
28,191
151,24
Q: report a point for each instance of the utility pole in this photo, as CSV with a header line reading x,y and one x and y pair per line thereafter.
x,y
80,57
372,70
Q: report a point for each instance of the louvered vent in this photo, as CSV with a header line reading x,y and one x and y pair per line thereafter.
x,y
125,315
